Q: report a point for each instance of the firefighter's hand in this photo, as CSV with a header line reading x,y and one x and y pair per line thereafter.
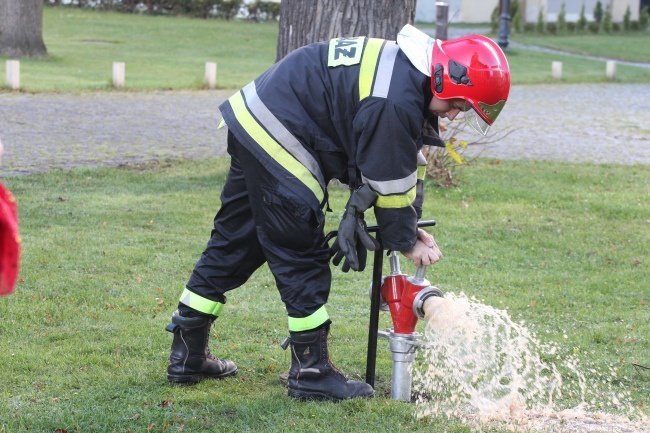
x,y
425,252
353,242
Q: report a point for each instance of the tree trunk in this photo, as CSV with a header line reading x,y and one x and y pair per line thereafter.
x,y
21,28
303,22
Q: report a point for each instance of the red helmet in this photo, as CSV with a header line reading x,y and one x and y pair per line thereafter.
x,y
475,69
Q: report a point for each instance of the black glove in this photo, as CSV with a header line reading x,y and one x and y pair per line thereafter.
x,y
353,240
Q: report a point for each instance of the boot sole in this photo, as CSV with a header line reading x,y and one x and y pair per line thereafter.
x,y
192,379
304,396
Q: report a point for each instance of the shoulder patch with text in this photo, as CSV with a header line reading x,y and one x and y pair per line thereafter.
x,y
345,51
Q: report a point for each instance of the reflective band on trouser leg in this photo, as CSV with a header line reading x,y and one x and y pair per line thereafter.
x,y
396,200
199,303
369,66
312,321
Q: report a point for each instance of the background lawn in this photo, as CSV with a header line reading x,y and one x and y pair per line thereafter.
x,y
107,252
171,52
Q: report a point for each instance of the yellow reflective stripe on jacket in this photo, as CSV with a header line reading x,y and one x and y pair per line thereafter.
x,y
200,303
396,200
422,166
316,319
422,172
280,133
272,147
369,66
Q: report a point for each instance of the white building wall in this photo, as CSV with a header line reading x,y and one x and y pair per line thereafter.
x,y
572,9
620,6
479,11
460,11
425,11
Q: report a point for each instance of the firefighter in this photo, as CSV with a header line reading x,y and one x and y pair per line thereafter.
x,y
9,240
353,109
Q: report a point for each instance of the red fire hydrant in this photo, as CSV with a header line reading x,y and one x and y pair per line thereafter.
x,y
405,296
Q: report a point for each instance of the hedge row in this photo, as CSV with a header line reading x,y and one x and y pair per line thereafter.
x,y
602,21
227,9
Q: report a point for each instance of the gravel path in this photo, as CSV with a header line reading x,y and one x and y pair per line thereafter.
x,y
45,131
598,123
601,123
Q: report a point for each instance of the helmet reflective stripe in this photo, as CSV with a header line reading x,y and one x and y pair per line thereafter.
x,y
199,303
290,158
314,320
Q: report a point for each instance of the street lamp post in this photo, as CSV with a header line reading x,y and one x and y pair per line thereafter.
x,y
442,13
504,24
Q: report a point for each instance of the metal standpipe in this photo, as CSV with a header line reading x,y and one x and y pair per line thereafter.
x,y
405,298
402,349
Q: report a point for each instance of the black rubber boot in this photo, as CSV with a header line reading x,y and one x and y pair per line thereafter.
x,y
313,376
190,360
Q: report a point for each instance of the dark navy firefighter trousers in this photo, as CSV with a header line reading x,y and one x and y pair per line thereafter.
x,y
262,219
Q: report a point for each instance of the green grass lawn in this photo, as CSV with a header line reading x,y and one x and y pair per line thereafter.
x,y
159,52
171,52
106,253
526,64
632,47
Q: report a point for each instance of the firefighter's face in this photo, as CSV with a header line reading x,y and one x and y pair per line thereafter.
x,y
449,108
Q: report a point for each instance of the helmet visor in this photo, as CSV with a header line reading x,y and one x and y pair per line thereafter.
x,y
474,120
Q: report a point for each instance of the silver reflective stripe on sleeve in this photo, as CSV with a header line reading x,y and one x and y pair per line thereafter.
x,y
280,133
385,69
422,160
396,186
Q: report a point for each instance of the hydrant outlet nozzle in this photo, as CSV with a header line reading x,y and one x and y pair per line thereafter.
x,y
421,297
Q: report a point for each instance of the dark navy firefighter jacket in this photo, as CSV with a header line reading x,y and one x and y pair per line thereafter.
x,y
351,109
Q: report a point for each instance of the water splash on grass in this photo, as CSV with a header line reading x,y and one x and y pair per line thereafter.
x,y
481,367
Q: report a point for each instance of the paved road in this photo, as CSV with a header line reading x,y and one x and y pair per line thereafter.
x,y
599,123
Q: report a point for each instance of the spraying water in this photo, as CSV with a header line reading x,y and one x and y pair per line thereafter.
x,y
481,367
